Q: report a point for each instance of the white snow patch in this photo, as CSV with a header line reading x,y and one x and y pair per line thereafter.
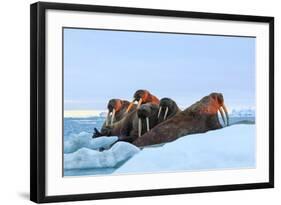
x,y
86,158
85,140
230,147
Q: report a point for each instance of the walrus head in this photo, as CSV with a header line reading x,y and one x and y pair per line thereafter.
x,y
146,112
211,104
142,97
113,106
167,108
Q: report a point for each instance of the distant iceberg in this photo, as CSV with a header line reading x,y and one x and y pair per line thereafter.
x,y
243,113
103,114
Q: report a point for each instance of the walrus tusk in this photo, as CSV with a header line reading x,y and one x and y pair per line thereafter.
x,y
139,103
107,118
140,127
130,106
112,117
222,115
226,114
147,124
159,112
166,112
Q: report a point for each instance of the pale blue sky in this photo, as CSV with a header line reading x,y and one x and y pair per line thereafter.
x,y
100,65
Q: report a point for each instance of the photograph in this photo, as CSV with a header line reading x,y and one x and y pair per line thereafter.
x,y
142,102
134,102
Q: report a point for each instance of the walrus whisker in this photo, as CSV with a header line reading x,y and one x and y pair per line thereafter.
x,y
107,119
112,117
139,103
130,105
226,114
159,112
140,127
147,124
222,115
166,112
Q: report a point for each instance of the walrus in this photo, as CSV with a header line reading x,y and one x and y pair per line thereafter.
x,y
116,111
144,120
135,124
117,108
167,109
198,118
142,97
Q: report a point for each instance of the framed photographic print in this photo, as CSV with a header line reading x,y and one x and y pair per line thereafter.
x,y
129,102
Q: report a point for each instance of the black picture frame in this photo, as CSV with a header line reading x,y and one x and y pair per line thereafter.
x,y
38,101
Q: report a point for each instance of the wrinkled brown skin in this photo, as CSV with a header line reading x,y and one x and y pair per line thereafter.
x,y
146,97
115,130
120,106
198,118
127,128
129,131
173,109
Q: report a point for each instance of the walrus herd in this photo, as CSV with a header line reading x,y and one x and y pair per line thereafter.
x,y
153,121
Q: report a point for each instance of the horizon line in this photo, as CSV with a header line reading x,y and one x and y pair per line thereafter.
x,y
98,112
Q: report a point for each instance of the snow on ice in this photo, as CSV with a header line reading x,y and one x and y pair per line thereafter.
x,y
84,140
86,158
230,147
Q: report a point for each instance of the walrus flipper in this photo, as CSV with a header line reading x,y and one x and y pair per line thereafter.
x,y
96,133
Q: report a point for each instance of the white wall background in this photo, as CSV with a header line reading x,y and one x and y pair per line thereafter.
x,y
14,100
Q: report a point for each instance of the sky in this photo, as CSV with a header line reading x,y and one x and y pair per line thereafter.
x,y
100,65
